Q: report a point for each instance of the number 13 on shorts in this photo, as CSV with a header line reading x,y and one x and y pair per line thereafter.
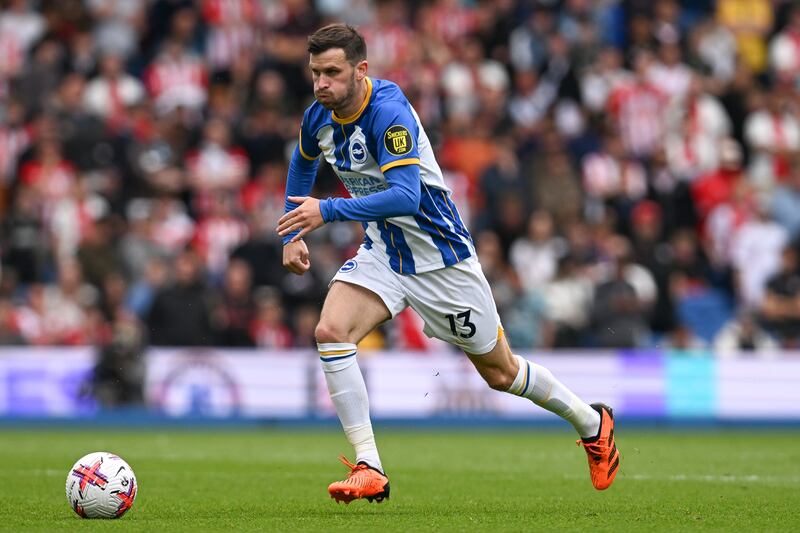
x,y
460,324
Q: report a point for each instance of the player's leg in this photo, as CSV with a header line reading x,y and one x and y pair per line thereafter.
x,y
362,296
508,372
349,313
457,306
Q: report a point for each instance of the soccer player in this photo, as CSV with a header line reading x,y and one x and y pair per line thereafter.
x,y
416,252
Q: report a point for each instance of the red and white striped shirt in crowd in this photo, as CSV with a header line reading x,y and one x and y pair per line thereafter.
x,y
388,47
215,167
228,12
215,238
52,182
604,177
177,80
768,135
451,21
13,141
12,55
232,29
638,111
226,43
270,335
784,53
172,228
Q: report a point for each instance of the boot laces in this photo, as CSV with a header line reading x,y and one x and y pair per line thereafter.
x,y
354,469
595,449
352,477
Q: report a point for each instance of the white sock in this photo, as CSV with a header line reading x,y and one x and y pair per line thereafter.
x,y
349,395
538,384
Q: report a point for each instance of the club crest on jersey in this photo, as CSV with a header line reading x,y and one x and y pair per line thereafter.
x,y
397,140
358,154
349,266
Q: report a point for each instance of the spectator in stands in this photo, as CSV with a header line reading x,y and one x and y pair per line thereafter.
x,y
177,78
742,335
784,49
610,178
98,253
697,124
114,109
636,110
772,132
567,300
557,184
684,340
237,307
668,72
756,254
268,328
780,307
535,256
118,377
717,187
112,91
219,231
216,165
143,290
182,313
619,313
15,137
750,21
26,248
9,327
785,204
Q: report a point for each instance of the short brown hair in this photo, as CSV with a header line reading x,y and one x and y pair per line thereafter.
x,y
341,36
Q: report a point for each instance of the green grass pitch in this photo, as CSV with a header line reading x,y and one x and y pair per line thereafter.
x,y
480,480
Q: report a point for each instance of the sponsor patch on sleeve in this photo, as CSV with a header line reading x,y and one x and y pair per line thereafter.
x,y
397,140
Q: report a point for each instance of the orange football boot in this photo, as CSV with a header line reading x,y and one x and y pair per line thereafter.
x,y
602,450
363,481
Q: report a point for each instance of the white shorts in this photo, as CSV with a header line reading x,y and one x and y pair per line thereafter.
x,y
455,302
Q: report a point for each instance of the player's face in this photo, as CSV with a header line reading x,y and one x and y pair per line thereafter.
x,y
335,78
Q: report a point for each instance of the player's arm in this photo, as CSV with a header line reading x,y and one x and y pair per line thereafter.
x,y
299,181
400,199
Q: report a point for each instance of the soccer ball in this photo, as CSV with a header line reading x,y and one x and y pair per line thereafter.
x,y
101,485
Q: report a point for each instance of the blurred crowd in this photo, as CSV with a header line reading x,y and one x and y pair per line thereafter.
x,y
630,169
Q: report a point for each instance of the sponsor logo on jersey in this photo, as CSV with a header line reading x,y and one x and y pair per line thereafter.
x,y
349,266
397,140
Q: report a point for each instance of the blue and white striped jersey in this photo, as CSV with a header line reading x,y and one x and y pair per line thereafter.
x,y
386,133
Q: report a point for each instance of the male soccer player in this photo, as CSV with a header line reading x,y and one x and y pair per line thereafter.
x,y
416,252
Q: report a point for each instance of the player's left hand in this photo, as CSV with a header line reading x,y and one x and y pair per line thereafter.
x,y
306,217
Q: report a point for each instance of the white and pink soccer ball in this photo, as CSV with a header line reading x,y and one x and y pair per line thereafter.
x,y
101,485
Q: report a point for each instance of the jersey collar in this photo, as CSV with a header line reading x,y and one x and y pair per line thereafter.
x,y
352,118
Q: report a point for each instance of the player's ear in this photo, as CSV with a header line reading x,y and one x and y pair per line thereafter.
x,y
361,70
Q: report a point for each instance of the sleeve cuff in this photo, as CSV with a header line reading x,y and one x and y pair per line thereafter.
x,y
326,209
399,163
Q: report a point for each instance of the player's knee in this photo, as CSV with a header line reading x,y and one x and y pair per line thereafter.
x,y
328,332
499,379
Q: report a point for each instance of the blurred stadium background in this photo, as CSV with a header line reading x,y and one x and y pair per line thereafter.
x,y
630,170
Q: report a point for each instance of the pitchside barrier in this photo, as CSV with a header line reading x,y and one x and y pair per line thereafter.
x,y
256,385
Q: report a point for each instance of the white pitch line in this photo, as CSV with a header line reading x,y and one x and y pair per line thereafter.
x,y
708,478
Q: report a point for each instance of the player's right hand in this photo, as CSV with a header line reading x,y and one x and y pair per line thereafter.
x,y
295,257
